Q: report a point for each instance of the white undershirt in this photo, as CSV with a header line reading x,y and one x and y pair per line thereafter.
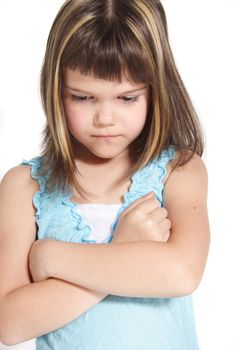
x,y
99,217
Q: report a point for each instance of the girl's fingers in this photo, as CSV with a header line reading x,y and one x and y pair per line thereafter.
x,y
159,214
165,225
146,203
166,236
136,202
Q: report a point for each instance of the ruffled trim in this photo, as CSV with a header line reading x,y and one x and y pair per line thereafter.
x,y
161,163
35,164
82,226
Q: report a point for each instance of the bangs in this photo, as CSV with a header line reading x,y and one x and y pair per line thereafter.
x,y
107,51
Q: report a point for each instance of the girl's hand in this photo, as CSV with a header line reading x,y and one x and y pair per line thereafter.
x,y
143,220
38,259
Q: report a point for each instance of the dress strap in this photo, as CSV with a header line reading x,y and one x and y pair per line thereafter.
x,y
35,163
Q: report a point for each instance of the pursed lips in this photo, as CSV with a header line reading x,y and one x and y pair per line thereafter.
x,y
105,135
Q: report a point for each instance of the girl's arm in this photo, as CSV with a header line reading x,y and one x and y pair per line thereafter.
x,y
39,308
143,268
28,310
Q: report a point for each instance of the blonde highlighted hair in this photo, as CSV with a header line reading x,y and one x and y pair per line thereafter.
x,y
111,38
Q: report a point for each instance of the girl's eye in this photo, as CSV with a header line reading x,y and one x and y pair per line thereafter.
x,y
130,99
80,98
86,98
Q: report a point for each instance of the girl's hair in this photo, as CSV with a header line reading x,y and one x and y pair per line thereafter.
x,y
111,39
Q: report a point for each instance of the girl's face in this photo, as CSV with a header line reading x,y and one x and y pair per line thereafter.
x,y
95,107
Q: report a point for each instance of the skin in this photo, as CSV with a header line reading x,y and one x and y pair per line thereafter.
x,y
108,108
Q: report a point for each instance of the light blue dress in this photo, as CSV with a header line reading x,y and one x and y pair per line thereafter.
x,y
116,322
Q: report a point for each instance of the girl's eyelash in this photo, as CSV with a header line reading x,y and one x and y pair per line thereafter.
x,y
130,99
79,98
124,98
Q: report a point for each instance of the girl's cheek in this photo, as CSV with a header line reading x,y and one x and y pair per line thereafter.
x,y
71,112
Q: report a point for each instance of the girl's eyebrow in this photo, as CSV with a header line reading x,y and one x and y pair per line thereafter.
x,y
86,92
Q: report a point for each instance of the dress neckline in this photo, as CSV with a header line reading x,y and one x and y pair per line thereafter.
x,y
74,207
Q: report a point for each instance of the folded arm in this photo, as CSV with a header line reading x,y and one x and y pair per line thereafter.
x,y
42,307
145,268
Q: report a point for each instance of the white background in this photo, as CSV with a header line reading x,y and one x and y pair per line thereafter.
x,y
201,37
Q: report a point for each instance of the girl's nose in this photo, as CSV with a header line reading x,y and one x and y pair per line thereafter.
x,y
104,115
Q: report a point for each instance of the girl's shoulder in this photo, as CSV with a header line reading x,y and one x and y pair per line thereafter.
x,y
194,162
17,189
20,176
36,168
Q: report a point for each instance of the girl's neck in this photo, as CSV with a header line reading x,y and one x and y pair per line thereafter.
x,y
103,180
102,177
94,167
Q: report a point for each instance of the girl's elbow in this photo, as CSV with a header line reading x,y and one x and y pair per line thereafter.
x,y
190,281
8,329
5,338
9,338
182,281
8,342
188,287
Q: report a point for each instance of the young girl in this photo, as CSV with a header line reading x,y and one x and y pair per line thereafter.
x,y
105,235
